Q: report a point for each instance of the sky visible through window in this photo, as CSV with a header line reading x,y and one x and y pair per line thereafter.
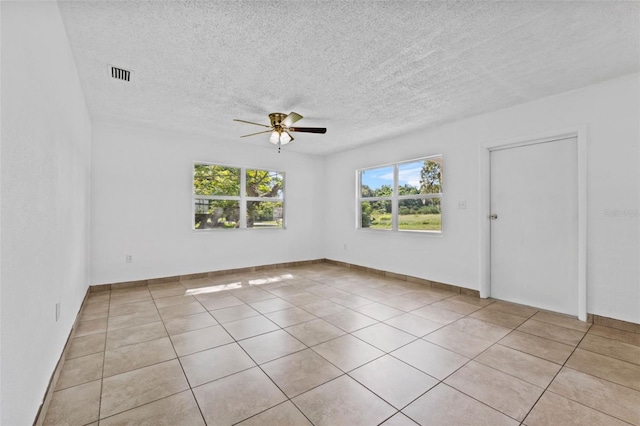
x,y
408,173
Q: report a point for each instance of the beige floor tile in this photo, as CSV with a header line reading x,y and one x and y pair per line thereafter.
x,y
135,356
285,414
439,315
349,320
480,328
249,327
473,300
431,359
302,298
562,320
189,322
85,328
609,347
134,388
131,297
179,409
612,399
446,406
174,300
197,283
379,311
94,312
176,290
552,332
249,295
80,370
212,364
554,409
219,400
301,371
86,345
234,313
413,324
505,393
384,337
287,290
394,381
174,311
199,340
351,301
527,367
607,368
513,308
132,308
289,317
271,305
313,332
399,420
538,346
136,334
219,301
394,289
403,303
77,405
323,308
347,352
341,402
498,317
459,342
456,306
125,321
270,346
615,334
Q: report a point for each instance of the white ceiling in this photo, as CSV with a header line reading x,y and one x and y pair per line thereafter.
x,y
365,70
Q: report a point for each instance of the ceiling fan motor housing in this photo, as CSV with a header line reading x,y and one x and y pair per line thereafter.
x,y
276,118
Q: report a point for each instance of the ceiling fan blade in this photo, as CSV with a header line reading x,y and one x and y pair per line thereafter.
x,y
290,119
250,122
308,129
252,134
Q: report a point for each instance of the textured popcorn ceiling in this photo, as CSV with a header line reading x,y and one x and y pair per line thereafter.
x,y
365,70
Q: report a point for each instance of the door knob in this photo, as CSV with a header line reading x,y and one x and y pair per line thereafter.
x,y
493,216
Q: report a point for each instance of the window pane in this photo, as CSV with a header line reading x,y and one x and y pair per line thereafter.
x,y
409,177
431,176
264,214
377,182
376,214
420,215
219,214
216,180
264,183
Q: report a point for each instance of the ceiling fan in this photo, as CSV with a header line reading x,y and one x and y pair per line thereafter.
x,y
281,127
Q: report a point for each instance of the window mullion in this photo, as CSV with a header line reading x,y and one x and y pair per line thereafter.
x,y
394,202
243,196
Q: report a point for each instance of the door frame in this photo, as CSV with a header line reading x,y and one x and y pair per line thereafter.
x,y
580,133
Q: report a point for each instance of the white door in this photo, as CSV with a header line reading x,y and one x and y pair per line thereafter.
x,y
534,226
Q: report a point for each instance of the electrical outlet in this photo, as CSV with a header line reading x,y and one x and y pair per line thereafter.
x,y
462,204
345,246
128,258
57,311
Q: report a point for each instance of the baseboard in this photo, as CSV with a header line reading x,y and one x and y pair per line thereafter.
x,y
53,380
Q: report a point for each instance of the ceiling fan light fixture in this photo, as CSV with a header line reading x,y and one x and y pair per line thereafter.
x,y
280,138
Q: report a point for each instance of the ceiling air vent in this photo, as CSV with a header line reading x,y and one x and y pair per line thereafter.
x,y
120,74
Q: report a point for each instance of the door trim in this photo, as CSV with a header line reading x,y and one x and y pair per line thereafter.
x,y
580,133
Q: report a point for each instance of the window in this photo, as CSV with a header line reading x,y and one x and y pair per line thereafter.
x,y
404,196
236,197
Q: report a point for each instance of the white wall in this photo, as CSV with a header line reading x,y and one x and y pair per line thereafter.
x,y
142,182
46,133
611,111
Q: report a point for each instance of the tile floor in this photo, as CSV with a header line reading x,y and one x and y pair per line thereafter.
x,y
324,345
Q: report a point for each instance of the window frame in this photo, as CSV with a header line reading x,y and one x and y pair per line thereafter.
x,y
395,198
242,199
